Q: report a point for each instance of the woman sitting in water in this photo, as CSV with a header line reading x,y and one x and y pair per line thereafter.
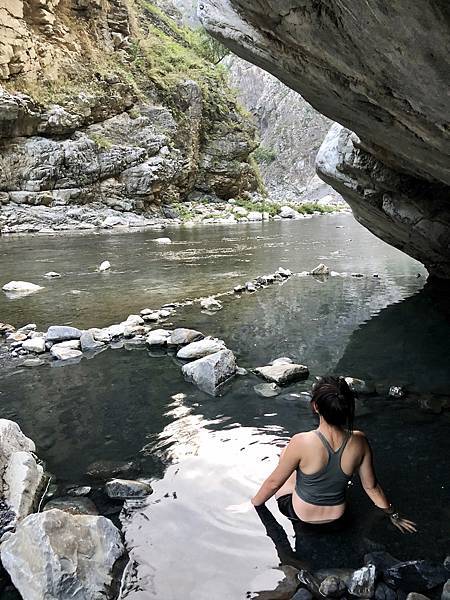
x,y
311,479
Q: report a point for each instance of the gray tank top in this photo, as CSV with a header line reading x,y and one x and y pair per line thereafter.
x,y
328,486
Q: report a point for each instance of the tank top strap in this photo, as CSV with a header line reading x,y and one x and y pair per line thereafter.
x,y
344,444
325,442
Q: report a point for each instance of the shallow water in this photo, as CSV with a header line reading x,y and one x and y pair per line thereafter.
x,y
207,454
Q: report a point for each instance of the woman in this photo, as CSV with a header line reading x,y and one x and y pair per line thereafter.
x,y
312,476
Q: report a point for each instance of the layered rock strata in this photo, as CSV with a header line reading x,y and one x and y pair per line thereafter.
x,y
379,71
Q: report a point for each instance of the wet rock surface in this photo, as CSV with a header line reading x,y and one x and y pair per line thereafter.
x,y
283,373
210,372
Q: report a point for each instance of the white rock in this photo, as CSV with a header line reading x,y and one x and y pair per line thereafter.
x,y
36,344
61,333
163,240
101,335
283,373
52,275
28,328
153,315
22,481
105,265
63,353
255,215
182,336
58,556
134,320
210,304
286,212
283,360
158,337
240,211
115,331
284,272
210,372
321,269
201,348
21,288
73,344
360,386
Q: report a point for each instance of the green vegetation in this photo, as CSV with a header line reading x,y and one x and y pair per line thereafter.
x,y
264,155
101,141
208,47
273,208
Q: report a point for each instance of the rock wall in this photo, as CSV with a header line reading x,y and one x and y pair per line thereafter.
x,y
379,70
113,102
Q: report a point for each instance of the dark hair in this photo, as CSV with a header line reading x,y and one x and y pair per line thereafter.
x,y
335,401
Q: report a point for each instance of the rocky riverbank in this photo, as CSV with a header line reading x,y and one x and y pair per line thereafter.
x,y
95,216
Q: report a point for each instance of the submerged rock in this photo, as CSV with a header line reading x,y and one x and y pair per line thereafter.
x,y
416,575
106,469
360,386
210,372
283,373
194,350
211,304
127,488
61,333
57,555
21,288
73,506
267,390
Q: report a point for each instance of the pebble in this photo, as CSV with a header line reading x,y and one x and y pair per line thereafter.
x,y
105,266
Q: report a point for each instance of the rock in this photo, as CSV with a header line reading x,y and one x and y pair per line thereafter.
x,y
380,559
250,287
415,596
211,304
194,350
158,337
255,215
21,288
73,506
17,336
88,342
84,490
332,587
106,469
151,316
390,171
357,275
310,582
267,390
384,592
238,289
362,582
134,320
33,362
283,373
36,344
54,554
283,360
52,275
212,371
21,478
241,371
64,353
122,489
446,591
360,386
415,575
396,391
163,240
285,273
105,265
61,333
302,594
182,336
321,269
286,212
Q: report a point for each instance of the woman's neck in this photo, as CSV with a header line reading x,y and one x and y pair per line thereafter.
x,y
331,430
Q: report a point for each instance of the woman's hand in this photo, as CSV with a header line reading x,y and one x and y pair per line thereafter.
x,y
240,508
403,525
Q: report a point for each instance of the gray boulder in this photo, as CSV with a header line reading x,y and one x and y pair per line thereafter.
x,y
208,345
446,591
415,575
286,212
36,345
182,336
88,342
332,587
21,477
61,333
73,506
210,372
64,353
283,373
60,556
158,337
362,582
127,488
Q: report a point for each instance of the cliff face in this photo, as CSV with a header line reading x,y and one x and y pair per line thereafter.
x,y
290,130
112,101
380,70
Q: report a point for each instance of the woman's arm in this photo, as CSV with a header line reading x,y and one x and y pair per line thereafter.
x,y
375,492
288,463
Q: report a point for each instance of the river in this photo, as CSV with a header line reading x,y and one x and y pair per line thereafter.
x,y
204,454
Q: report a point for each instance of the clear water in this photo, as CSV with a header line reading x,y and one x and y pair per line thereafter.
x,y
206,454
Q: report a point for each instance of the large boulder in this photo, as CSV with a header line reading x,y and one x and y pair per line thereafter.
x,y
210,372
62,333
59,556
182,336
21,477
202,348
384,82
